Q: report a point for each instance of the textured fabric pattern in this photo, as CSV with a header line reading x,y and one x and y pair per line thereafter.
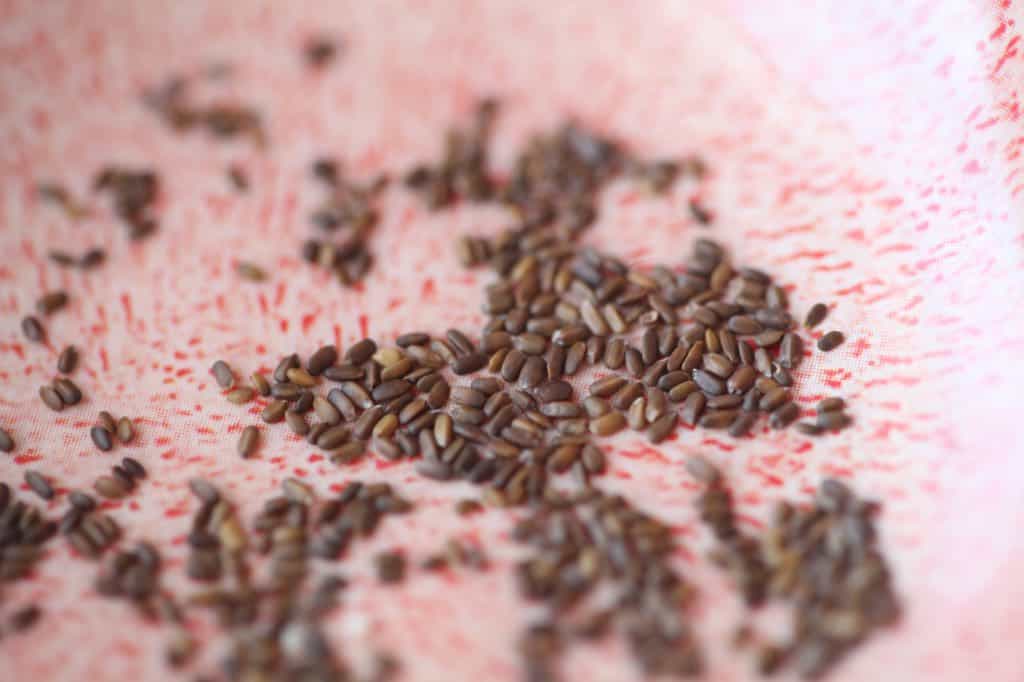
x,y
868,158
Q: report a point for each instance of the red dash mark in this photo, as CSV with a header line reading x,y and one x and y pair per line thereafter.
x,y
104,360
263,304
1009,52
337,335
428,289
279,294
126,303
972,167
307,321
27,459
364,325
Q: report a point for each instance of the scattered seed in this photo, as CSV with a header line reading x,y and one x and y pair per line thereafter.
x,y
6,445
39,485
68,360
250,271
816,315
222,374
110,487
830,341
102,438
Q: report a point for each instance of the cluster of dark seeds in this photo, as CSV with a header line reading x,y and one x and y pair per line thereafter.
x,y
599,564
170,102
106,429
122,479
830,417
273,624
60,393
346,220
823,561
134,192
90,532
23,532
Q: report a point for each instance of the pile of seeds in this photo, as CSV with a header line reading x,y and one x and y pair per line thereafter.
x,y
346,219
823,561
89,531
170,102
134,191
24,531
106,428
598,564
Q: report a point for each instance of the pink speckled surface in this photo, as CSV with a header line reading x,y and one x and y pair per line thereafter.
x,y
868,154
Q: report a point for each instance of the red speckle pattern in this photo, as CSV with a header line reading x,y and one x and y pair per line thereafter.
x,y
868,154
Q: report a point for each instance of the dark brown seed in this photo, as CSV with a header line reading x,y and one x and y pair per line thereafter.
x,y
437,397
464,395
390,390
512,366
315,431
325,411
742,425
110,487
701,469
300,377
320,360
768,337
708,382
463,414
361,351
25,618
721,402
782,375
285,391
574,358
92,258
363,427
533,373
460,341
634,362
333,437
561,409
661,427
68,360
556,362
133,467
679,392
608,424
693,357
554,391
344,372
125,430
816,315
390,567
692,408
357,394
469,363
51,302
763,362
33,329
297,423
625,396
101,437
743,324
783,416
39,485
222,374
435,469
774,398
260,384
649,346
107,421
832,420
652,374
615,354
752,400
81,500
718,419
412,339
486,385
745,353
411,411
342,403
717,364
69,393
741,380
705,316
495,341
830,405
274,411
6,445
444,351
808,428
830,341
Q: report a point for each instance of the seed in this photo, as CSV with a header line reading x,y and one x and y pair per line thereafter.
x,y
274,411
561,409
391,389
830,341
297,491
24,618
51,302
769,337
635,416
692,408
679,392
464,395
33,329
300,377
390,567
718,419
693,357
717,364
743,324
593,318
69,393
361,351
81,500
625,396
634,361
386,427
260,384
808,428
649,346
438,395
830,405
240,395
363,426
287,362
109,487
782,375
101,437
615,354
397,369
357,394
783,416
708,382
125,430
574,358
412,339
297,423
832,420
250,271
702,470
741,426
661,427
745,353
816,315
223,375
344,372
321,359
333,437
772,399
467,364
68,360
533,373
325,411
133,467
39,485
342,403
6,445
763,362
608,424
425,357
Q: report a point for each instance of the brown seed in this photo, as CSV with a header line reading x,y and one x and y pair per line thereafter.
x,y
743,324
608,424
32,328
741,426
635,415
386,427
717,364
783,416
101,437
561,409
333,437
344,372
443,430
260,384
6,445
274,411
763,362
574,358
782,375
412,410
607,386
830,405
342,403
412,339
834,419
390,390
693,357
250,271
513,365
625,396
240,395
248,441
701,469
51,302
68,360
464,395
69,393
692,408
816,315
39,485
769,337
363,427
556,361
204,491
51,398
657,404
300,377
222,374
460,341
357,394
708,382
615,354
595,407
437,397
321,359
741,380
361,351
679,392
467,364
297,423
772,399
808,428
325,411
634,362
661,427
390,567
110,487
125,430
718,419
133,467
533,373
830,341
